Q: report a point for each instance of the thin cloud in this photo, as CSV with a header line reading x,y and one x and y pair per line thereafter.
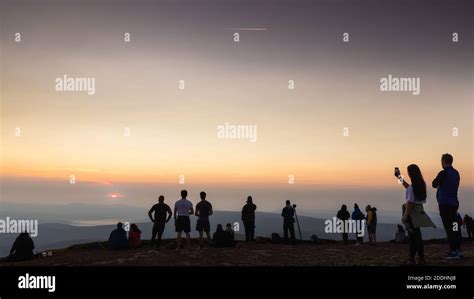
x,y
73,169
250,29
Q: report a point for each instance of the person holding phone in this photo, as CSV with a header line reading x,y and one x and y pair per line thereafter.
x,y
414,216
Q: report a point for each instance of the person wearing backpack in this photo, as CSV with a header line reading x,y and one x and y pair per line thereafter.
x,y
371,223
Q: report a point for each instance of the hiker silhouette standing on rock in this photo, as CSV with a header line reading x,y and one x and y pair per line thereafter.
x,y
344,215
358,216
203,211
447,185
182,209
162,214
288,214
248,218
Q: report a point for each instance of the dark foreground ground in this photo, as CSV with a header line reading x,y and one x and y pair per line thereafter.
x,y
262,253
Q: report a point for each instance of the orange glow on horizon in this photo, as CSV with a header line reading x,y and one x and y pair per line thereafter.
x,y
337,177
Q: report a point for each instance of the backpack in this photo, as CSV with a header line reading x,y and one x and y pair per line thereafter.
x,y
374,215
315,239
276,238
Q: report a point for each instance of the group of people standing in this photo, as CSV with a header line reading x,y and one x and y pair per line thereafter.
x,y
161,213
413,215
370,218
413,218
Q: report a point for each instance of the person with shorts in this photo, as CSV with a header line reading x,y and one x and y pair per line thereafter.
x,y
203,211
182,209
162,214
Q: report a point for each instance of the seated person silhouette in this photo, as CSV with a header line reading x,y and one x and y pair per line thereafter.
x,y
118,238
134,236
229,234
219,237
22,249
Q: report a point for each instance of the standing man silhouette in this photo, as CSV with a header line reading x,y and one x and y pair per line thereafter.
x,y
182,209
288,214
248,218
203,211
447,185
344,215
162,214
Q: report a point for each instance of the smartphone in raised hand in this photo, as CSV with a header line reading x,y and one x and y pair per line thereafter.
x,y
397,172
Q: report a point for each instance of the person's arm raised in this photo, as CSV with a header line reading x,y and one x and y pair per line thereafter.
x,y
404,183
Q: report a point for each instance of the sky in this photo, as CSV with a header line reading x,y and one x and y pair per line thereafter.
x,y
173,131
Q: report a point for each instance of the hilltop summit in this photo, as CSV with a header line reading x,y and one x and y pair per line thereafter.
x,y
262,253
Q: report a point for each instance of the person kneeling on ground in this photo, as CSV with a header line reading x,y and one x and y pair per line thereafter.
x,y
118,238
134,236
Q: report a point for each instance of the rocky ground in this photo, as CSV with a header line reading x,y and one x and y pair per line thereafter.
x,y
261,253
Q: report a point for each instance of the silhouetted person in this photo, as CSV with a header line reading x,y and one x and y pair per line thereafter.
x,y
219,237
344,215
248,218
22,249
358,216
182,209
229,233
118,238
134,236
414,216
203,211
371,223
468,224
400,235
288,214
447,184
162,214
